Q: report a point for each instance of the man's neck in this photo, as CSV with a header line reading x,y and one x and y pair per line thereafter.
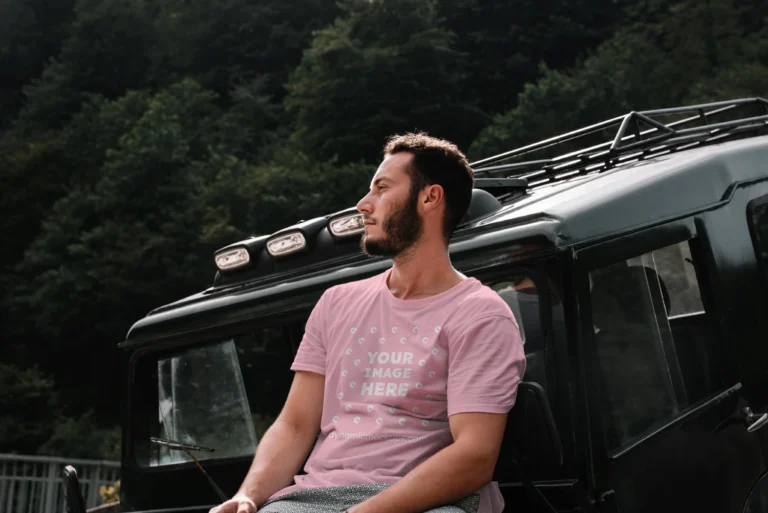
x,y
425,270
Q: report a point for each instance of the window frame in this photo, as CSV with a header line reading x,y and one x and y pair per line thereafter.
x,y
615,250
754,232
543,295
546,272
137,402
675,377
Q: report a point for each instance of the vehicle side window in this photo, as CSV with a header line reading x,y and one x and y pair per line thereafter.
x,y
521,294
654,341
758,225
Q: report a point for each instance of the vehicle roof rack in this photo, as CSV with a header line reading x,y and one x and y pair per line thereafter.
x,y
501,186
630,142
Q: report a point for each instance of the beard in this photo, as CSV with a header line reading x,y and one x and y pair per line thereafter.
x,y
402,228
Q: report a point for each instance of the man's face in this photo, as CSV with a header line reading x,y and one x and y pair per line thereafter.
x,y
392,221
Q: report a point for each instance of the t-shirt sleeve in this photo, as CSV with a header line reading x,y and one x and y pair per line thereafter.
x,y
486,362
311,355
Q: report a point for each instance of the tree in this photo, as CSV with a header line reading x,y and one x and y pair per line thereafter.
x,y
357,83
643,66
37,171
108,242
170,191
31,32
81,437
225,44
29,404
507,41
106,53
291,186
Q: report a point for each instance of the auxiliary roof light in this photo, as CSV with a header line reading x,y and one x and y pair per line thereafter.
x,y
232,259
286,244
348,225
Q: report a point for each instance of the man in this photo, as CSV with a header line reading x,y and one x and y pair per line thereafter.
x,y
407,376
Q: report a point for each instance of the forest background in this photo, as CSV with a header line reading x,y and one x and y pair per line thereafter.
x,y
138,136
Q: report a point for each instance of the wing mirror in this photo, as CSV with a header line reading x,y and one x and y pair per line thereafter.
x,y
73,497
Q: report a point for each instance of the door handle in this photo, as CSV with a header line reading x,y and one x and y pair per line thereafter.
x,y
754,420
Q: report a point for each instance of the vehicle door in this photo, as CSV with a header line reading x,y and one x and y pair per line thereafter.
x,y
533,290
667,397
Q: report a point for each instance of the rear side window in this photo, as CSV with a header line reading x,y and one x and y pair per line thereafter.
x,y
654,342
757,214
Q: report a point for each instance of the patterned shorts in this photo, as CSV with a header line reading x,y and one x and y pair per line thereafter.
x,y
336,499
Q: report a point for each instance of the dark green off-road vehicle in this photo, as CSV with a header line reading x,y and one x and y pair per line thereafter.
x,y
637,268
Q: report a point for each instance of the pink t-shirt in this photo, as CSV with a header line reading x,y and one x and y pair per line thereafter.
x,y
396,370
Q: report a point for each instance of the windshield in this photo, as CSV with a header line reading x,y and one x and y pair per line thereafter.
x,y
202,401
223,395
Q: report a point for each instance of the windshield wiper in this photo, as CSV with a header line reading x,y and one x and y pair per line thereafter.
x,y
180,446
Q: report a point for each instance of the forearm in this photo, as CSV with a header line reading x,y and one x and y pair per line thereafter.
x,y
278,459
450,475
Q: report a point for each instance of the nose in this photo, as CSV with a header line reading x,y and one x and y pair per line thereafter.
x,y
364,205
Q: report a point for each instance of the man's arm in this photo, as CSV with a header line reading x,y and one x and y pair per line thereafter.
x,y
284,446
459,470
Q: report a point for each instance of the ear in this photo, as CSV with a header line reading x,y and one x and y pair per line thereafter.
x,y
432,198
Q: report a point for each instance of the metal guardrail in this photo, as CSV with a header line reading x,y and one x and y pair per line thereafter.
x,y
33,484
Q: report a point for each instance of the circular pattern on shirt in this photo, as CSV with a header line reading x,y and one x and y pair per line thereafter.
x,y
403,340
369,408
415,409
353,330
357,362
391,410
349,351
373,330
394,329
401,421
425,423
360,340
352,384
435,350
437,329
335,418
357,420
424,340
345,373
379,421
340,395
418,385
422,363
415,329
348,407
382,340
431,374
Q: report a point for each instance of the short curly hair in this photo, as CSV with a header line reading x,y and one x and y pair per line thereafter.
x,y
437,162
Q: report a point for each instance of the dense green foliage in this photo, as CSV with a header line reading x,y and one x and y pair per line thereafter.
x,y
137,137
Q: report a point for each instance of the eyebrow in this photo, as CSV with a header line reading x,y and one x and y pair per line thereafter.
x,y
382,179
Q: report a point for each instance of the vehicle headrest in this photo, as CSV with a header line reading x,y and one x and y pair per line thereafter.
x,y
617,291
481,204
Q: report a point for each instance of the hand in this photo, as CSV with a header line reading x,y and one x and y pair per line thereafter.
x,y
240,503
